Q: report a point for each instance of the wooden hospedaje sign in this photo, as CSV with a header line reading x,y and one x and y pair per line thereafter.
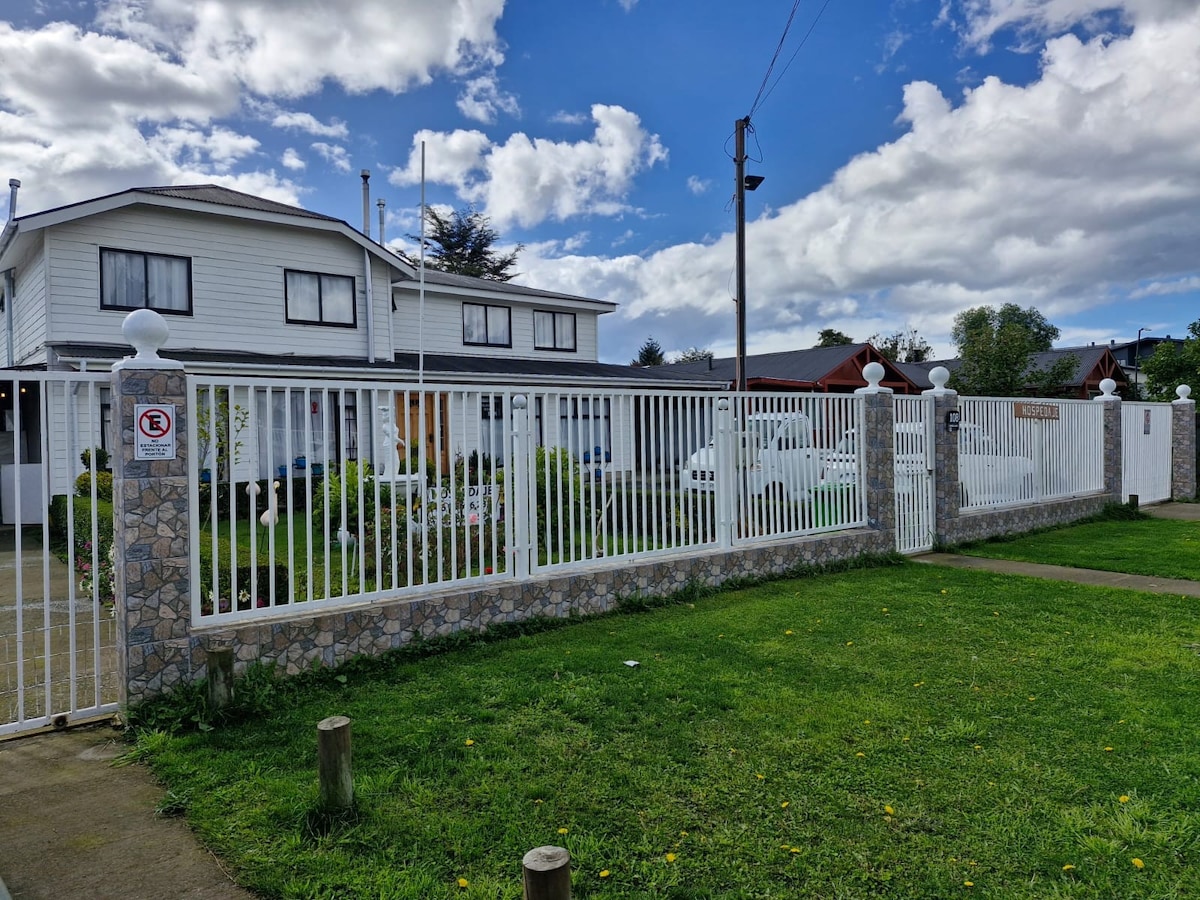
x,y
1045,411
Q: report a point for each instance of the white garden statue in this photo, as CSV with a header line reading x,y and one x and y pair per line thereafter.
x,y
389,453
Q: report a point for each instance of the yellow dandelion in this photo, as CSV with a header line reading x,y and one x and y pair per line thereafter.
x,y
905,740
683,834
562,831
783,805
885,609
944,591
1124,798
470,742
789,631
670,857
966,883
860,754
462,882
1137,863
1033,698
759,776
604,873
978,746
538,802
794,850
889,810
1108,749
849,643
1068,867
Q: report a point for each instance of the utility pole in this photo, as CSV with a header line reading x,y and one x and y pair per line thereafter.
x,y
739,161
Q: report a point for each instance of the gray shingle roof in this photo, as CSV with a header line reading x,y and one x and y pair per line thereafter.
x,y
223,196
449,279
790,365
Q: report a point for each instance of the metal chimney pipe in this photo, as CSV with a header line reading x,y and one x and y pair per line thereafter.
x,y
366,177
13,186
381,205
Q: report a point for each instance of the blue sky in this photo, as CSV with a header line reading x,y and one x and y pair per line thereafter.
x,y
921,156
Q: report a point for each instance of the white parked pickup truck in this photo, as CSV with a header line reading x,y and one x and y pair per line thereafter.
x,y
777,456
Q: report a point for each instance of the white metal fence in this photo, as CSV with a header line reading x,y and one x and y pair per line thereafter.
x,y
352,491
1015,451
57,638
1146,451
913,464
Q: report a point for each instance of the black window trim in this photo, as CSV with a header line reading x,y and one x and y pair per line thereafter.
x,y
556,349
145,255
287,311
486,342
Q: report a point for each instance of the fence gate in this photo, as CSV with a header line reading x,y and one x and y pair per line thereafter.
x,y
58,660
914,474
1146,451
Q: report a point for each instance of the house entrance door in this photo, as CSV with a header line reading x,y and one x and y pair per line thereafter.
x,y
428,421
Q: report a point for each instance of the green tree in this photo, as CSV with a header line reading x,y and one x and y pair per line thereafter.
x,y
463,243
902,346
996,346
693,354
1172,365
831,337
649,354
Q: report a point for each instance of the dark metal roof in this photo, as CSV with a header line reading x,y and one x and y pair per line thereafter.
x,y
449,279
1086,359
790,365
405,365
223,196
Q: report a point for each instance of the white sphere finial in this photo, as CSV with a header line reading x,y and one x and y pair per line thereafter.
x,y
1107,387
1184,393
147,332
519,401
938,377
723,404
873,372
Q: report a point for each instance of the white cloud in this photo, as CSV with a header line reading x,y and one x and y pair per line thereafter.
x,y
1062,194
482,100
334,154
562,117
218,148
291,47
1035,19
526,181
698,185
627,5
308,123
292,160
1167,288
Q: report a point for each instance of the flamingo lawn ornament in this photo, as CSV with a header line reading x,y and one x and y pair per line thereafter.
x,y
271,515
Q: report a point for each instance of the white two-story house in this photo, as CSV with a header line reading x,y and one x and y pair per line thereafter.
x,y
252,287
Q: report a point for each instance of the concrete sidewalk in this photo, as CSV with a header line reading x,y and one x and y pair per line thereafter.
x,y
74,826
1064,573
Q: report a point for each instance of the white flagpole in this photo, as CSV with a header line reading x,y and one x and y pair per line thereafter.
x,y
421,305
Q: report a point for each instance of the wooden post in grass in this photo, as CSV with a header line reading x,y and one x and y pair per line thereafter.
x,y
220,678
333,764
547,874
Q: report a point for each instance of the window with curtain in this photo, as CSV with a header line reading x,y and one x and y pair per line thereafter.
x,y
316,299
145,281
553,330
488,326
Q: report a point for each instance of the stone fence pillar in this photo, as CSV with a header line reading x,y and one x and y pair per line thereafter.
x,y
152,552
947,493
879,448
1113,461
1183,445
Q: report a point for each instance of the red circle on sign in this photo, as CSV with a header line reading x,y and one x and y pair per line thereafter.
x,y
155,423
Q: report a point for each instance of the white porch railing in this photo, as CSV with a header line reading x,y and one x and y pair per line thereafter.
x,y
350,492
1021,451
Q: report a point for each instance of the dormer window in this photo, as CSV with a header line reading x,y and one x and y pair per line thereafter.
x,y
487,326
145,281
553,330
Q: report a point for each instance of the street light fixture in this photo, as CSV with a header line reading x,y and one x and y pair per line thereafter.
x,y
1137,360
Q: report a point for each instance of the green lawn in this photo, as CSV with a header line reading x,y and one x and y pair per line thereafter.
x,y
1162,547
906,731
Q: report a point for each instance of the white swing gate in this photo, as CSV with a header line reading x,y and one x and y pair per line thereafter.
x,y
913,462
58,660
1146,451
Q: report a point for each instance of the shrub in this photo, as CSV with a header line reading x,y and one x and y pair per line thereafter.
x,y
104,485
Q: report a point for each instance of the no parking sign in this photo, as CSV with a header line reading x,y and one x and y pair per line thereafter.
x,y
154,431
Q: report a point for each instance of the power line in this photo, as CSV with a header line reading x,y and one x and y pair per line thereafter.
x,y
803,41
775,58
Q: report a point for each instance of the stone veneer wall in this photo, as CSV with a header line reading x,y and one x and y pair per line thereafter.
x,y
975,526
152,548
299,644
1183,449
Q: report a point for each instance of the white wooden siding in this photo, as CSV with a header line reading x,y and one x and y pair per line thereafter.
x,y
443,331
29,309
237,282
